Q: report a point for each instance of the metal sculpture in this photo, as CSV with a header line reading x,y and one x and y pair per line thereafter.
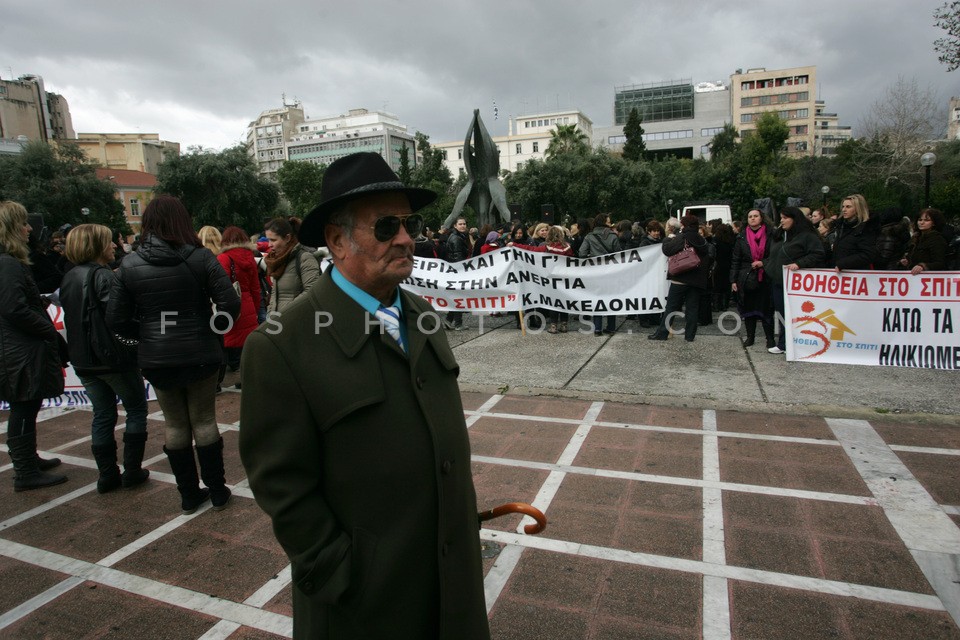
x,y
483,191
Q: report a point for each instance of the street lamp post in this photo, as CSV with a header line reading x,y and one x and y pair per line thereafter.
x,y
927,160
669,207
824,190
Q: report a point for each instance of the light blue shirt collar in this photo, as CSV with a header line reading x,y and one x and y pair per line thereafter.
x,y
367,301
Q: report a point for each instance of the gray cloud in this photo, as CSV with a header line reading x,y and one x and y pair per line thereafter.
x,y
197,72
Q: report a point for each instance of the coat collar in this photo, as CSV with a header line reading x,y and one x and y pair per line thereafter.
x,y
351,326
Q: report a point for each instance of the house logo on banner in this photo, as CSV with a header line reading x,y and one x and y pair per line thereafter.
x,y
816,333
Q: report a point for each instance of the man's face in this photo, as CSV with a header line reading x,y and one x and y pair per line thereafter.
x,y
461,225
374,266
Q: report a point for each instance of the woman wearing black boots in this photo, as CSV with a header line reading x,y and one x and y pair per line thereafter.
x,y
30,358
106,373
749,280
162,295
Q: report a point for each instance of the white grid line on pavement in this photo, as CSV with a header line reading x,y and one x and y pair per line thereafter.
x,y
713,572
730,572
173,595
716,599
507,561
26,608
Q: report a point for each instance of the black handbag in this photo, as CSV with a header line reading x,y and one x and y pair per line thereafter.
x,y
108,348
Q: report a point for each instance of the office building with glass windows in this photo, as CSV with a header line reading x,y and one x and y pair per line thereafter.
x,y
679,118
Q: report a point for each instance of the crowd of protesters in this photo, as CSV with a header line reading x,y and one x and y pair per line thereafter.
x,y
741,262
222,283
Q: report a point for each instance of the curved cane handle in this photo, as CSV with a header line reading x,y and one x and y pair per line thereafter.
x,y
518,507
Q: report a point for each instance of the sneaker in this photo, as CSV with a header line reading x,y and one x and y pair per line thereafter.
x,y
448,325
775,349
458,327
656,336
553,328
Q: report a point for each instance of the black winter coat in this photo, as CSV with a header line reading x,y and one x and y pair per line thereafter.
x,y
29,344
168,291
458,247
855,245
803,249
929,249
892,244
75,298
699,277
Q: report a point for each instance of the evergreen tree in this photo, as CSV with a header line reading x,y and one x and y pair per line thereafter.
x,y
634,148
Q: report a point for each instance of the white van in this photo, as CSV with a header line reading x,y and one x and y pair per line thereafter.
x,y
708,211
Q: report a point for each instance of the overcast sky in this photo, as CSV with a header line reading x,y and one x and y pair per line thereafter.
x,y
198,72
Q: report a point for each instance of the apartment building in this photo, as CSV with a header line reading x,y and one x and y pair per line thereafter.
x,y
268,134
129,151
791,93
829,133
27,109
323,140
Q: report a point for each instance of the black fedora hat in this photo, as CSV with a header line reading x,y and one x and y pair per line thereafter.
x,y
351,177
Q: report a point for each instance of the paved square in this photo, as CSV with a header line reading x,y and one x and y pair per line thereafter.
x,y
664,522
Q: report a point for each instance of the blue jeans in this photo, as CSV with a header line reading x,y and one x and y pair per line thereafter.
x,y
103,390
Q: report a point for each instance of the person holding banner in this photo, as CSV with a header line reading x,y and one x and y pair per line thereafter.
x,y
796,246
749,280
928,248
31,362
601,241
162,295
459,248
105,375
855,236
555,242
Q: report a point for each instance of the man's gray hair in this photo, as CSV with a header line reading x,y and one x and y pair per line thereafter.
x,y
343,218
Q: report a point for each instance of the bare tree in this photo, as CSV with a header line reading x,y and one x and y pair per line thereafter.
x,y
899,127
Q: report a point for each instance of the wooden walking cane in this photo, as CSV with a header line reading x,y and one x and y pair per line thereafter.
x,y
523,327
518,507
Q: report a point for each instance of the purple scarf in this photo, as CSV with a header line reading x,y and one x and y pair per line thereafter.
x,y
757,241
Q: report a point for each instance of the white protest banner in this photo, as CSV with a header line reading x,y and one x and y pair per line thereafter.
x,y
879,318
74,395
632,281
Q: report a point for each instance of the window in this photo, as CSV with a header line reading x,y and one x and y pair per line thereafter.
x,y
709,133
135,207
444,151
519,148
536,147
459,154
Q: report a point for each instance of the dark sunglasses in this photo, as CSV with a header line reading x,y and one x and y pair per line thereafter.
x,y
387,227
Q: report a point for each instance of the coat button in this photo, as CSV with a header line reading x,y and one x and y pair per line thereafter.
x,y
445,549
445,467
419,382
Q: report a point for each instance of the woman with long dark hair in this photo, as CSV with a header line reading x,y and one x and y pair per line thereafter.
x,y
162,296
30,358
749,280
928,248
687,289
86,290
796,245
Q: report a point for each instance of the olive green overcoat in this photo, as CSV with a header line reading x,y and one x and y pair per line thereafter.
x,y
360,456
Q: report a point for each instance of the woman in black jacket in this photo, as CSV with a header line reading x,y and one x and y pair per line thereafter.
x,y
928,248
749,280
165,289
85,291
30,358
686,289
796,246
855,236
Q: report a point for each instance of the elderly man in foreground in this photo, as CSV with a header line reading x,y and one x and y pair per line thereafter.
x,y
352,431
